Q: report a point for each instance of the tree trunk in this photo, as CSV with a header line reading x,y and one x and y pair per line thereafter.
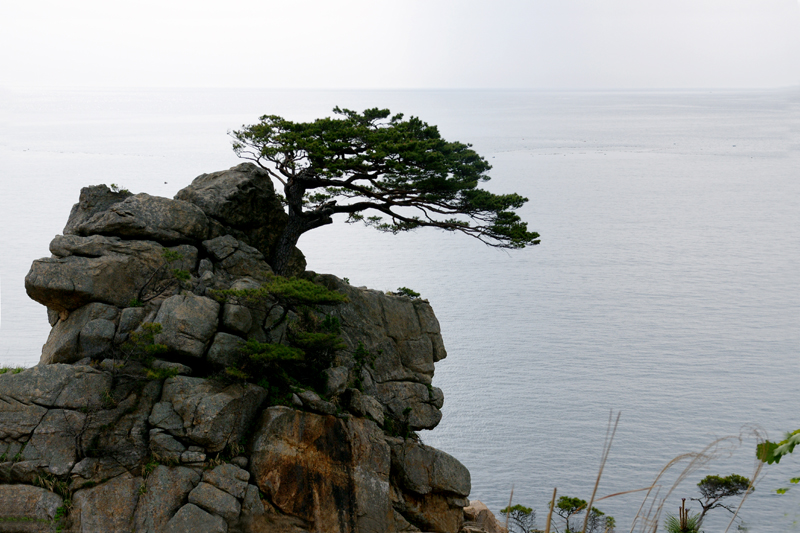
x,y
281,253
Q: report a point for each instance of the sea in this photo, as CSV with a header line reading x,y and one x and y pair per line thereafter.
x,y
665,291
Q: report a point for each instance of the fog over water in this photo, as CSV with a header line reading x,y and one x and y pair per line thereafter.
x,y
667,284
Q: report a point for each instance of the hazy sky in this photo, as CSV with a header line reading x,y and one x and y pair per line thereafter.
x,y
401,43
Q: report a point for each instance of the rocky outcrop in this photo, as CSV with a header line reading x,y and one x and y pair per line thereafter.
x,y
127,414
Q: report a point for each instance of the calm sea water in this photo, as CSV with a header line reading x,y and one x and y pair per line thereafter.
x,y
666,286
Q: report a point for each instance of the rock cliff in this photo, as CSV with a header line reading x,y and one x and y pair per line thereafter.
x,y
138,419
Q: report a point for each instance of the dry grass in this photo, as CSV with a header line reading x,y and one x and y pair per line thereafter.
x,y
648,516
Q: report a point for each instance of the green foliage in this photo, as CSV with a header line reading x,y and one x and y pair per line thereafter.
x,y
135,302
772,452
714,489
158,374
12,369
117,189
521,519
279,291
571,508
691,524
405,291
307,345
386,166
141,346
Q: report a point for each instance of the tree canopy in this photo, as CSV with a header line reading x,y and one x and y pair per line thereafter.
x,y
391,173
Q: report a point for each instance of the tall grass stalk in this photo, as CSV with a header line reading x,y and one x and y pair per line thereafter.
x,y
725,446
610,432
550,512
511,497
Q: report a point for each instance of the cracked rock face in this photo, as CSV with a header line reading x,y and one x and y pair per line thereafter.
x,y
127,413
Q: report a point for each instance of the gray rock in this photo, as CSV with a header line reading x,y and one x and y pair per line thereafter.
x,y
114,274
240,197
400,334
63,344
335,380
54,440
165,446
401,395
364,405
296,401
169,365
237,318
422,469
95,337
240,461
148,218
188,322
129,319
164,416
312,401
108,506
58,385
52,317
205,267
226,349
121,431
243,202
246,261
93,200
216,501
18,419
24,501
221,248
252,504
166,489
93,470
191,519
190,457
229,478
212,415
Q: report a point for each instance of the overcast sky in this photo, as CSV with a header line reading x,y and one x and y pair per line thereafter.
x,y
580,44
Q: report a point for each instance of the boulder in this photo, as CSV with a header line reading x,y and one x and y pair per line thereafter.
x,y
114,272
148,217
335,380
191,519
57,385
53,442
242,201
242,197
188,323
423,469
165,492
64,345
412,403
27,503
479,516
216,501
108,506
237,318
226,349
212,415
93,200
95,337
328,471
229,478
